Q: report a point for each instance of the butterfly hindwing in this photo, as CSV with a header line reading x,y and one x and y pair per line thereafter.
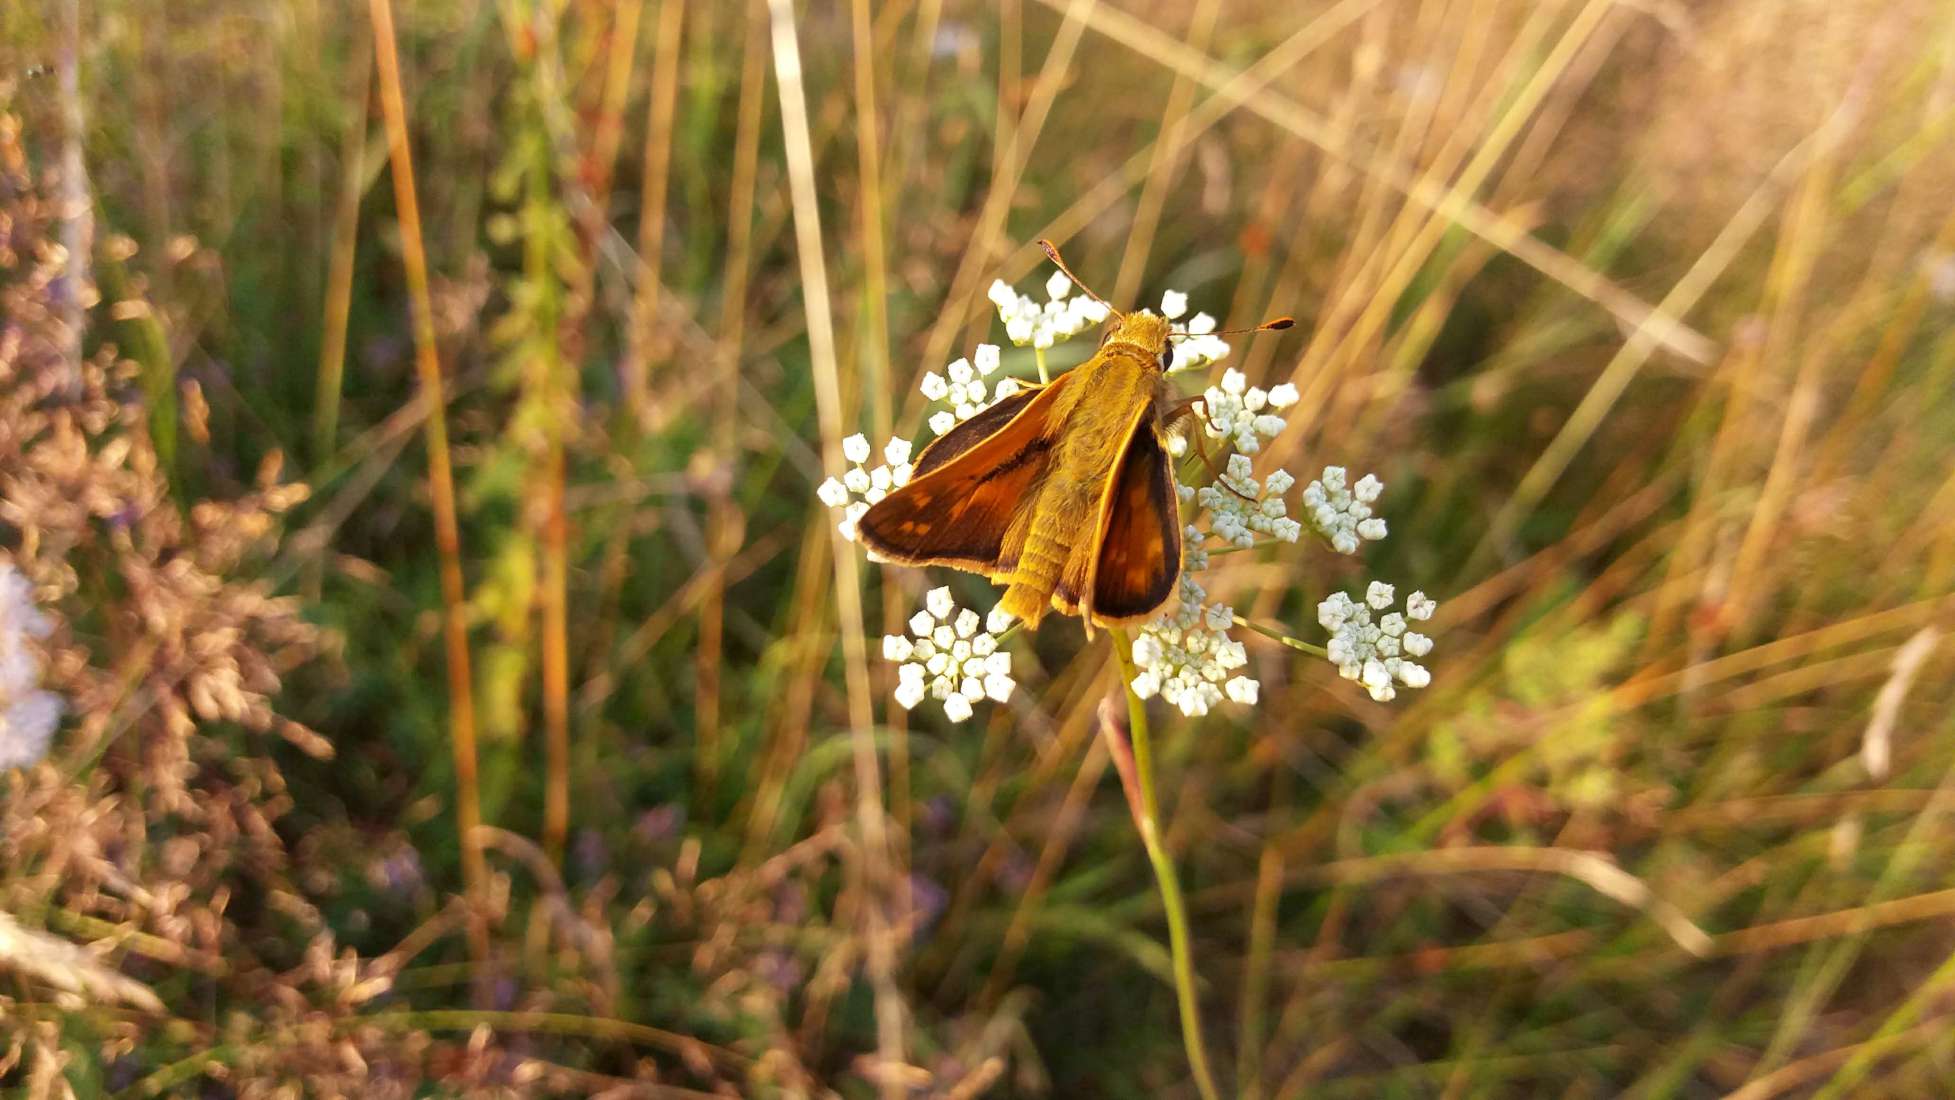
x,y
1138,560
968,487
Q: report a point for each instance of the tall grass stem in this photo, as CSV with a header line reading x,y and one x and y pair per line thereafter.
x,y
441,484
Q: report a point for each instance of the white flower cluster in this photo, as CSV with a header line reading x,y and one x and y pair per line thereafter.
x,y
1029,322
1245,415
1186,656
948,658
963,390
1343,515
27,715
861,486
1376,653
1240,507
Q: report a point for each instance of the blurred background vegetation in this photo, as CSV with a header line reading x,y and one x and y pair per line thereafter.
x,y
1641,310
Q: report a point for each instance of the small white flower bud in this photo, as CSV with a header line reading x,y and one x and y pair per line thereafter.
x,y
940,603
910,692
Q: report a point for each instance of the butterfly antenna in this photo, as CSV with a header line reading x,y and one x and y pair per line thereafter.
x,y
1274,324
1052,253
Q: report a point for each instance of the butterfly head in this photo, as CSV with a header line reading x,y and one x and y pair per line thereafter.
x,y
1146,331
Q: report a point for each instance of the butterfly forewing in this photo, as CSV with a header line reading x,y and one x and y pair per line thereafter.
x,y
973,431
969,486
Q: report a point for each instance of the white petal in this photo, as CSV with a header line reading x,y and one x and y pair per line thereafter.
x,y
985,358
895,647
856,448
940,603
942,421
933,386
960,372
1173,304
1243,690
921,624
910,692
833,493
897,452
998,687
1379,595
1283,396
1058,286
967,623
1420,606
957,708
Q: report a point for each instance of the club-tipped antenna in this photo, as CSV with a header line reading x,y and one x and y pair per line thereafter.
x,y
1274,324
1052,253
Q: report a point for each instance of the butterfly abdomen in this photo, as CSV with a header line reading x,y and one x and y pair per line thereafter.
x,y
1040,563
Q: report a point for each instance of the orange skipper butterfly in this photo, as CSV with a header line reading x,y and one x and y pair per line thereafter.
x,y
1063,492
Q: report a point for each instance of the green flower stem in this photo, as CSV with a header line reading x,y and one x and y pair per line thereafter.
x,y
1146,818
1293,643
1038,355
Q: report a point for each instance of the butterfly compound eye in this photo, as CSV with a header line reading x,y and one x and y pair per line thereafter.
x,y
1167,357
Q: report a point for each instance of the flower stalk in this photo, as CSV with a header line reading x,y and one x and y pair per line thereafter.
x,y
1146,809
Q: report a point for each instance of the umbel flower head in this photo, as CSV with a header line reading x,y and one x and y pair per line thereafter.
x,y
1187,654
28,715
949,657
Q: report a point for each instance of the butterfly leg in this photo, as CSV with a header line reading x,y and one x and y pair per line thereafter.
x,y
1185,411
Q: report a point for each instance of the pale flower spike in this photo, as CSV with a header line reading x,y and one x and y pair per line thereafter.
x,y
1185,654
